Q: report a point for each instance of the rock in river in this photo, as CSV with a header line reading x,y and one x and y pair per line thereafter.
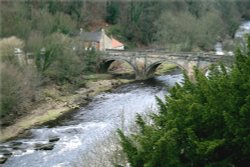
x,y
3,160
54,139
47,146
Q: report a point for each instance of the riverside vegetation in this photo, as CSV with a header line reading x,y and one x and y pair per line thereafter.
x,y
59,66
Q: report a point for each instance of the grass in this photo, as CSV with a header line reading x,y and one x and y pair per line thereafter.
x,y
96,77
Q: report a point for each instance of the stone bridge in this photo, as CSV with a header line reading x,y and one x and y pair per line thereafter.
x,y
144,63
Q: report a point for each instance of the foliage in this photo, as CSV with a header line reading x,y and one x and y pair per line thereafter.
x,y
137,21
188,31
52,48
18,81
60,62
63,60
112,12
43,22
90,60
140,23
18,89
65,67
230,13
63,23
8,46
20,18
199,124
34,42
15,20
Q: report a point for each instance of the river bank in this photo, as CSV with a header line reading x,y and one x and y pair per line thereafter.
x,y
56,105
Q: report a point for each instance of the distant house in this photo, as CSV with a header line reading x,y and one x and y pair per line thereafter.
x,y
99,40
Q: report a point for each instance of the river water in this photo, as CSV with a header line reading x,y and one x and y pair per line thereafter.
x,y
85,138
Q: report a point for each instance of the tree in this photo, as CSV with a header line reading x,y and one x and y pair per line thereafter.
x,y
18,89
230,15
18,81
199,124
177,29
63,64
43,22
63,23
52,48
34,42
15,20
62,58
8,46
112,12
137,19
187,31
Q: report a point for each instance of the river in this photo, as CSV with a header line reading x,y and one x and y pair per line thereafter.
x,y
87,137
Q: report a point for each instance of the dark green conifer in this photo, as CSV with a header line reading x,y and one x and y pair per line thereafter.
x,y
202,124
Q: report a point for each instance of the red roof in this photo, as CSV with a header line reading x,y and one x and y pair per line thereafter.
x,y
116,43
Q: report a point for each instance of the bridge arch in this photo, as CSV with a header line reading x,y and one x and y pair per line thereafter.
x,y
150,70
104,65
